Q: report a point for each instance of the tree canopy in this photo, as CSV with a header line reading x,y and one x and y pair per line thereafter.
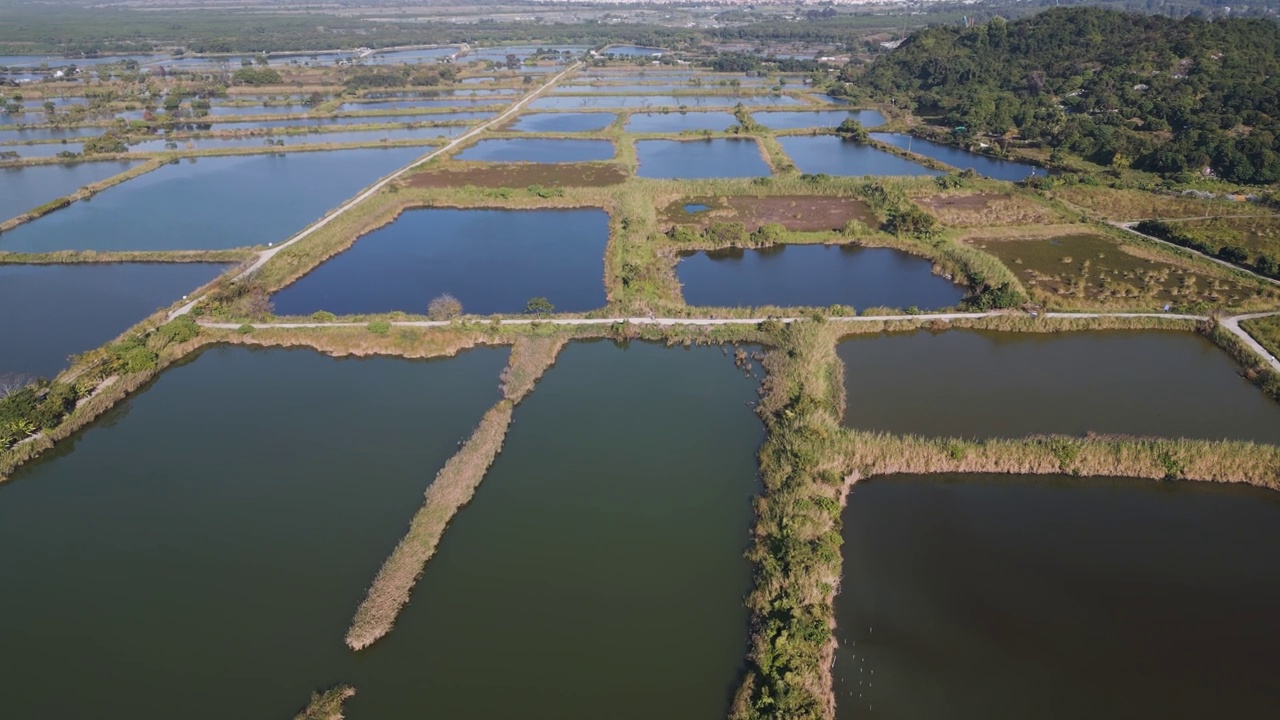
x,y
1120,89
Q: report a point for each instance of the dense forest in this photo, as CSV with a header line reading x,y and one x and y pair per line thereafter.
x,y
1170,96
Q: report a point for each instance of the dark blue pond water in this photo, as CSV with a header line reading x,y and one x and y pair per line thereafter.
x,y
210,203
672,122
24,189
963,159
788,120
538,150
564,122
813,275
81,307
493,261
720,158
834,155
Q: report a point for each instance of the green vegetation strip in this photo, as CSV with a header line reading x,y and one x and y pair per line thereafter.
x,y
1266,330
453,487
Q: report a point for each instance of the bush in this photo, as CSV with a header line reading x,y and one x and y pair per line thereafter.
x,y
323,316
539,306
132,356
995,298
445,307
379,327
910,220
179,330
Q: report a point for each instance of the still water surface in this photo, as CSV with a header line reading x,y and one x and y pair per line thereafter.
x,y
200,549
210,203
962,159
491,260
600,563
718,158
834,155
68,309
992,384
1052,597
24,189
538,150
813,275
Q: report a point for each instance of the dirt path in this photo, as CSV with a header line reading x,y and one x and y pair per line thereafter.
x,y
265,255
1129,227
667,322
1233,324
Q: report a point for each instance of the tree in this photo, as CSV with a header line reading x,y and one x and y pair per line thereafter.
x,y
539,306
851,129
445,307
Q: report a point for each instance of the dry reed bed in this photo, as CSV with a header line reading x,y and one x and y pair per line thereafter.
x,y
452,488
871,454
69,257
326,705
355,341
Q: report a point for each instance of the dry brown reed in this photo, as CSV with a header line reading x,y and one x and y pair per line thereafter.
x,y
326,705
871,453
453,487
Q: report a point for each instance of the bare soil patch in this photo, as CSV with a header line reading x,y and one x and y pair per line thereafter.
x,y
520,175
795,212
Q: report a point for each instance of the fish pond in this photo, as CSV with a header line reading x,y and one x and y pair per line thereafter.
x,y
221,502
23,189
493,261
29,134
81,307
572,102
800,119
609,531
563,122
539,150
979,596
267,142
720,158
833,155
673,122
813,275
210,203
962,159
992,384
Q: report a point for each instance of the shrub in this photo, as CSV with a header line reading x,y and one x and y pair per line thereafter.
x,y
323,316
995,298
179,330
445,307
380,327
539,306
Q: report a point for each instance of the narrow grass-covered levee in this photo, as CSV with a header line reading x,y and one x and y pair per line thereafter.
x,y
796,542
453,487
809,461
